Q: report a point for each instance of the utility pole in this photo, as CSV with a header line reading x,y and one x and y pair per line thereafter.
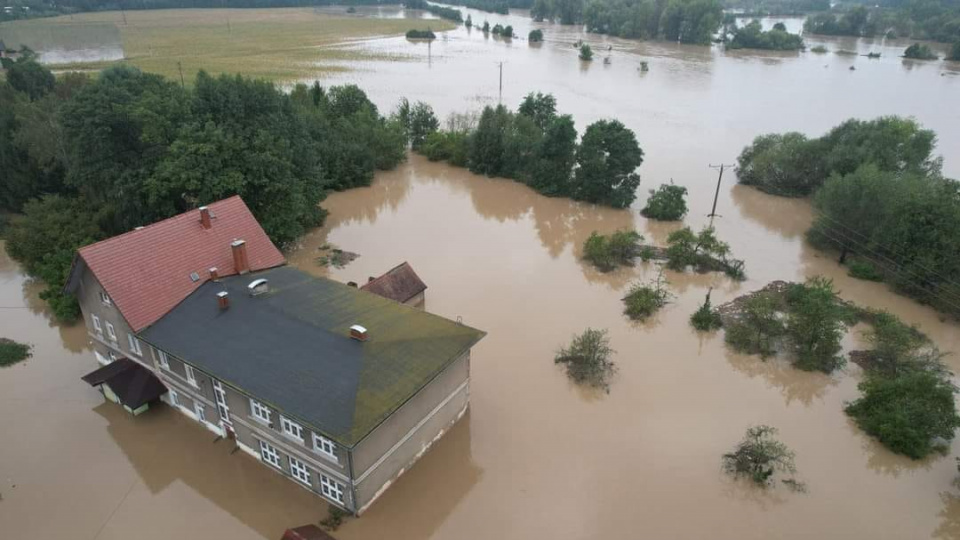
x,y
500,95
180,69
124,13
713,211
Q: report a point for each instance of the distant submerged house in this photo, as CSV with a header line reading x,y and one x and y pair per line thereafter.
x,y
338,390
400,284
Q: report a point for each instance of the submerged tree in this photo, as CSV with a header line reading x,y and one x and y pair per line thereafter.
x,y
607,160
759,456
706,318
586,53
645,299
757,328
587,359
12,352
815,325
666,203
609,252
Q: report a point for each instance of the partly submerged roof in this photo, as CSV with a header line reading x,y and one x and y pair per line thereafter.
x,y
147,271
400,283
290,347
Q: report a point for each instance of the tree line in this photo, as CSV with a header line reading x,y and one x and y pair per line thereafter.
x,y
537,146
753,36
85,159
937,20
880,200
686,21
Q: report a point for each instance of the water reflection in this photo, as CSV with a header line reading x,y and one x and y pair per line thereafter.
x,y
790,218
165,448
793,384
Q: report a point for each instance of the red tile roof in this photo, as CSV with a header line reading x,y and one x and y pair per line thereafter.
x,y
400,283
146,272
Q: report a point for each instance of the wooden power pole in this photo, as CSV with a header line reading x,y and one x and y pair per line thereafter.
x,y
716,194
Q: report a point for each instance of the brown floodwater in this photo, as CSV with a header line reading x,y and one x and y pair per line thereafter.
x,y
537,456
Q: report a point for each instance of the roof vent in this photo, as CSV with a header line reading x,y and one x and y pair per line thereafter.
x,y
258,287
358,332
223,300
194,277
352,284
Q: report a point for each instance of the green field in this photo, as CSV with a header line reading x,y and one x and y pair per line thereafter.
x,y
276,44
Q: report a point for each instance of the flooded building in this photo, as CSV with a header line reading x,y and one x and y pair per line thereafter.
x,y
339,390
400,284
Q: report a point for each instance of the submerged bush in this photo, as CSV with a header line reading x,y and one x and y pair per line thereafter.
x,y
919,52
587,359
706,318
864,270
815,325
421,34
12,352
586,53
703,251
666,203
535,36
644,300
758,328
451,146
608,252
759,455
907,413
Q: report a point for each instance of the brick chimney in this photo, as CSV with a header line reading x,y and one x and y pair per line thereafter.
x,y
223,300
205,217
214,274
239,248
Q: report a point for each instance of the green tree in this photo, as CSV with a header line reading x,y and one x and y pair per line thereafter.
x,y
555,157
787,164
758,327
586,53
666,203
815,325
422,123
28,76
907,414
541,108
535,36
607,160
45,239
955,51
919,51
487,142
759,456
691,21
706,318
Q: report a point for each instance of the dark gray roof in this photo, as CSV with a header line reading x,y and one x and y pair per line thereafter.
x,y
290,347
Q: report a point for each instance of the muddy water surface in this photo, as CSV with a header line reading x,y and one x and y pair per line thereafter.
x,y
536,456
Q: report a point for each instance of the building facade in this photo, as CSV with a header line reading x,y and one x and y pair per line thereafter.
x,y
339,415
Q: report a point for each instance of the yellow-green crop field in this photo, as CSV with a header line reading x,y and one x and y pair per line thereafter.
x,y
277,44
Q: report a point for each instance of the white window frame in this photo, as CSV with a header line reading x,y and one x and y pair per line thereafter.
x,y
174,397
96,324
299,470
331,488
134,345
259,411
191,376
269,454
163,360
105,299
291,429
325,447
111,332
198,409
221,398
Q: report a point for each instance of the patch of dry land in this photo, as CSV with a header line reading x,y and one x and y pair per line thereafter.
x,y
275,44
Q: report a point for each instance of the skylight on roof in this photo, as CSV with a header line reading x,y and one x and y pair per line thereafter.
x,y
194,277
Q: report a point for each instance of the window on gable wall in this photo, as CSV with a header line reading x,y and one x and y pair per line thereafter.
x,y
104,299
96,324
111,332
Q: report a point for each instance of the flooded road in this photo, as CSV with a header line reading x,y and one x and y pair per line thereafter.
x,y
537,457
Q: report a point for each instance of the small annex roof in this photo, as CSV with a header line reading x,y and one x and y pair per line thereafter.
x,y
133,384
290,347
147,271
400,283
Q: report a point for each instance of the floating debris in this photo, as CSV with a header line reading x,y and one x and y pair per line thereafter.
x,y
335,257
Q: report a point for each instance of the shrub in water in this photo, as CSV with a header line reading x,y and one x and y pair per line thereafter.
x,y
759,455
12,352
666,203
587,359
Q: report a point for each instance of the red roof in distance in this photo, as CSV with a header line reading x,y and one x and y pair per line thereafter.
x,y
400,283
147,271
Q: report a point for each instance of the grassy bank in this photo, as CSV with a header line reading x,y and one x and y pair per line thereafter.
x,y
276,44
